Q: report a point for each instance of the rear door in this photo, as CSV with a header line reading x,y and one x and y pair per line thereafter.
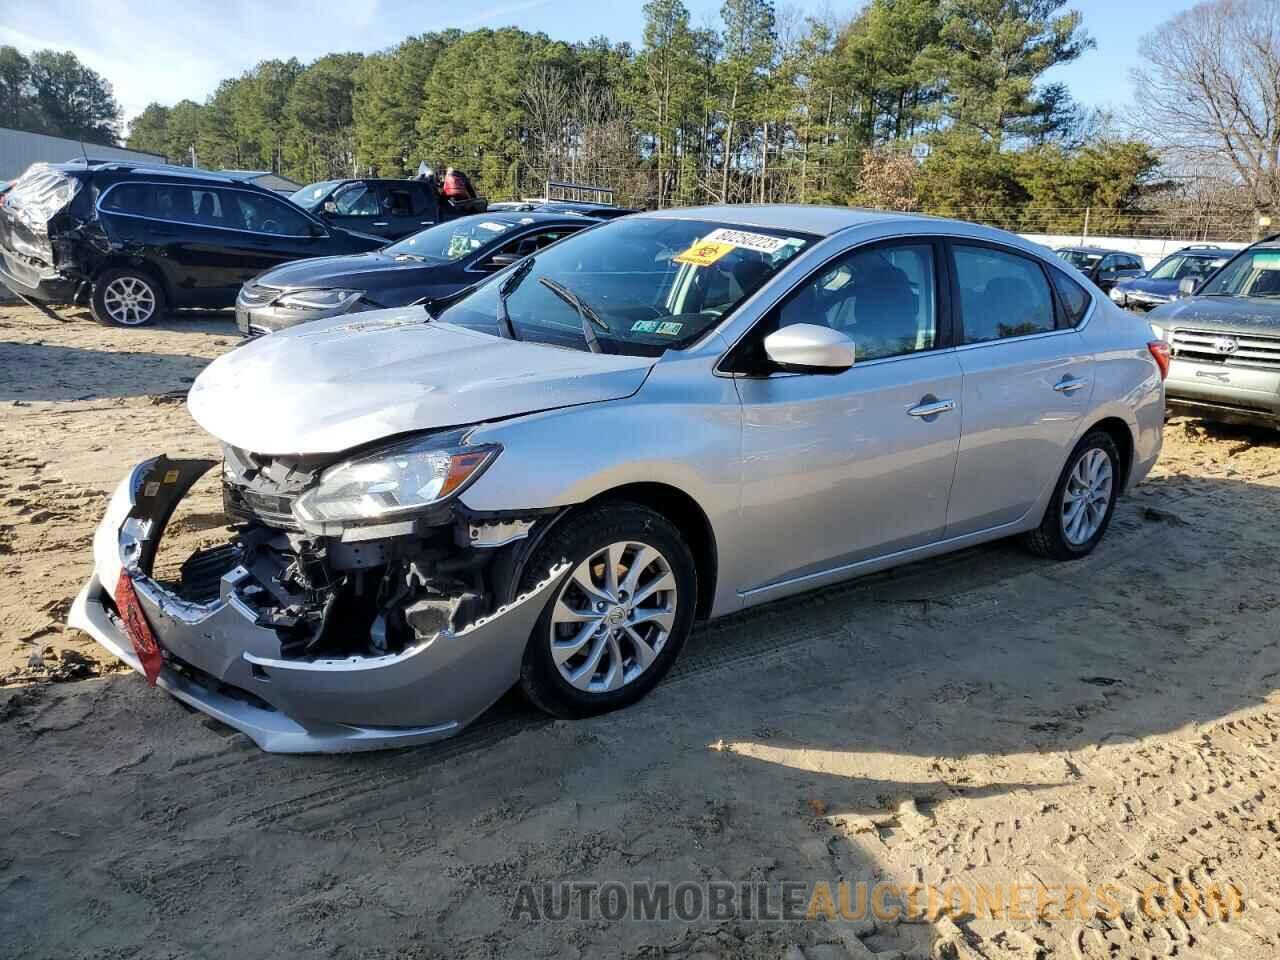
x,y
186,237
1027,385
408,207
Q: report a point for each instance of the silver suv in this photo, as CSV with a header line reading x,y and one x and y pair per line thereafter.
x,y
670,416
1224,335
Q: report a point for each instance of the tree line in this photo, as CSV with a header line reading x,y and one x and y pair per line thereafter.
x,y
761,106
54,93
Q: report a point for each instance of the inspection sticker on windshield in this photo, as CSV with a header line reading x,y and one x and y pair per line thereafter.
x,y
670,329
703,253
718,243
644,326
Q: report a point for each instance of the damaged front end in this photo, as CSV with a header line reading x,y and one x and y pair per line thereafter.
x,y
357,606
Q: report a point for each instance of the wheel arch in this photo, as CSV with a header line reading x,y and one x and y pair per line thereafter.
x,y
1120,432
688,517
138,264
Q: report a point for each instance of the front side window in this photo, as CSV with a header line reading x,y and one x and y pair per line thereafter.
x,y
1001,294
260,214
1253,273
651,283
357,200
882,298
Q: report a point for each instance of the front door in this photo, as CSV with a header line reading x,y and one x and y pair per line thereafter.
x,y
358,206
841,468
1027,386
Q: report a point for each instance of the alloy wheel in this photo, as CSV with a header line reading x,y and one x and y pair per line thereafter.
x,y
129,301
613,617
1087,496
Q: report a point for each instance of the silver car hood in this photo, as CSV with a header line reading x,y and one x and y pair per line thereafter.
x,y
331,385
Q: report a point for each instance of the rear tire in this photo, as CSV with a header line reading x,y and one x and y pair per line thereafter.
x,y
1083,501
605,639
127,297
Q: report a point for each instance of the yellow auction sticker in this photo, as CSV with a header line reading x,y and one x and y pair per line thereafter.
x,y
704,253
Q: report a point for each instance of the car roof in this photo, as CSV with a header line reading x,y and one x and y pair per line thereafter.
x,y
804,218
156,169
529,216
1087,249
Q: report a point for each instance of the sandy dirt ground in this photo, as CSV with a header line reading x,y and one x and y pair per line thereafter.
x,y
987,718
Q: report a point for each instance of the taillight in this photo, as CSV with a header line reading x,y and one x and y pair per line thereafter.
x,y
1160,353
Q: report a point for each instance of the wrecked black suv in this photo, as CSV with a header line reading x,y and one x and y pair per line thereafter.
x,y
134,239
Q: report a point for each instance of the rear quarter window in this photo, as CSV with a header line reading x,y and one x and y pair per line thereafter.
x,y
1075,299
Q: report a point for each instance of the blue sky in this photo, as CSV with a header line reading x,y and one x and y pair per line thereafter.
x,y
162,50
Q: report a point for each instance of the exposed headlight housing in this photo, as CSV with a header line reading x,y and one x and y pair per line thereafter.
x,y
319,299
394,481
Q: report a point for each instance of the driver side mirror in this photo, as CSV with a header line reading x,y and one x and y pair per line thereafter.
x,y
1187,286
809,348
500,261
315,231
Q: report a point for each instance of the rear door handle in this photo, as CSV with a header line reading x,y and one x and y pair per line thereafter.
x,y
931,408
1070,384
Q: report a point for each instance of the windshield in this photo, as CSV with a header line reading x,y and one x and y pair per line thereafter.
x,y
647,284
1253,273
1179,265
1079,258
452,240
309,197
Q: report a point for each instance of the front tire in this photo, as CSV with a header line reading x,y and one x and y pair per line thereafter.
x,y
617,622
130,298
1080,509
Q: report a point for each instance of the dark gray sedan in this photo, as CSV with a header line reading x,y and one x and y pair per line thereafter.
x,y
436,262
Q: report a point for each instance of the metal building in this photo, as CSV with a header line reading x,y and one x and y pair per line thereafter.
x,y
19,149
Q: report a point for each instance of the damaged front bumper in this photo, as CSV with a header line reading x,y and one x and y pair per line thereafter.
x,y
220,658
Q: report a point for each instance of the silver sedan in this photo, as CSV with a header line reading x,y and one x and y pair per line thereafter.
x,y
672,416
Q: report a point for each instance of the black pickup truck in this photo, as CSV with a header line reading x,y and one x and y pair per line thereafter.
x,y
382,207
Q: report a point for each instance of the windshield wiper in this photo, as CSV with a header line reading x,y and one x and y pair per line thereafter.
x,y
588,315
508,287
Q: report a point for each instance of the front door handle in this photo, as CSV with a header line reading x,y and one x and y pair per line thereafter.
x,y
1070,384
379,223
931,407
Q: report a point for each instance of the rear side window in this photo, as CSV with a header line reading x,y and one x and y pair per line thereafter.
x,y
407,201
1075,298
1001,294
187,204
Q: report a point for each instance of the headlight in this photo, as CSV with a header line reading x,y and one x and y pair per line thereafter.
x,y
394,481
1117,295
1159,332
319,299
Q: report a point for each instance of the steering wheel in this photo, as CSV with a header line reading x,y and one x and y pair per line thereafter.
x,y
270,226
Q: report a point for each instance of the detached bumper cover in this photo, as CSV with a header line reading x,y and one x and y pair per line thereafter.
x,y
221,662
